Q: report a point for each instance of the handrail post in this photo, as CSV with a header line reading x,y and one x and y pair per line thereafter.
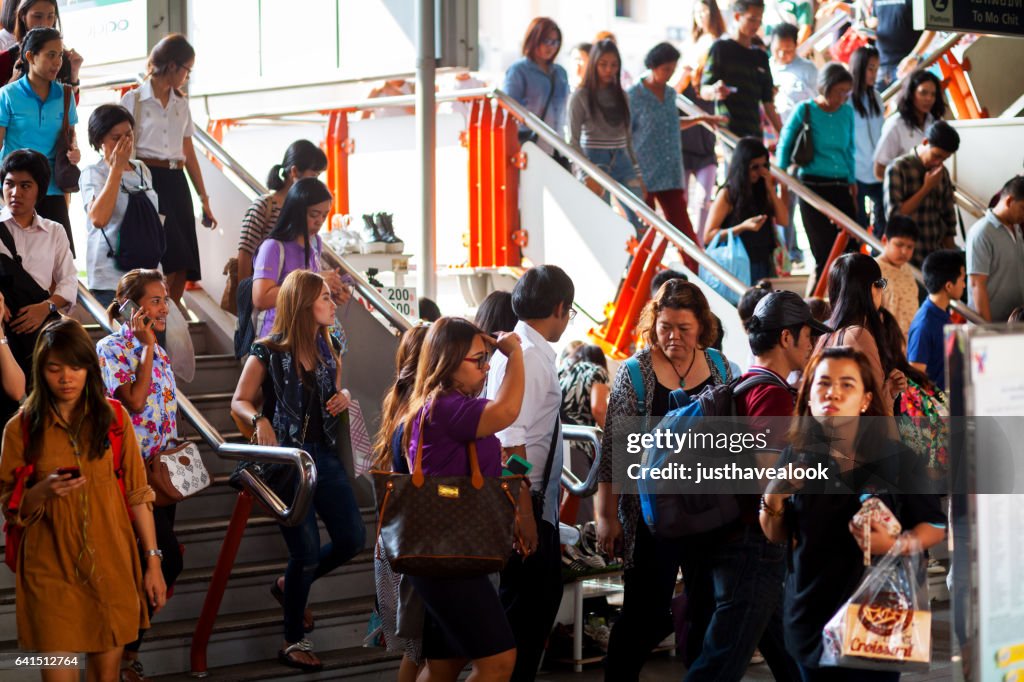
x,y
218,583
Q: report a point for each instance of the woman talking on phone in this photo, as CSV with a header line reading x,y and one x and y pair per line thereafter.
x,y
107,186
749,206
80,586
137,372
295,375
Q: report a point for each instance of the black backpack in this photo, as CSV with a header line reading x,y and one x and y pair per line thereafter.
x,y
249,321
141,240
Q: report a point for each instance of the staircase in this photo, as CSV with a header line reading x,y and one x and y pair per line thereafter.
x,y
248,631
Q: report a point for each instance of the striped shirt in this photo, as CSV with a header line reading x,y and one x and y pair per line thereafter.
x,y
259,220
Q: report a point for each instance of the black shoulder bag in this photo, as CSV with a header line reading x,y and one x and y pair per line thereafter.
x,y
537,496
20,290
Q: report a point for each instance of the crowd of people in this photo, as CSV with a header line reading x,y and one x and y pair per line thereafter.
x,y
72,468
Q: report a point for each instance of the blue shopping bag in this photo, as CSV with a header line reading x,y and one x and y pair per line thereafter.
x,y
733,257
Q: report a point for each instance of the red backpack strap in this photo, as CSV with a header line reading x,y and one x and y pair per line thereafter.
x,y
22,473
116,437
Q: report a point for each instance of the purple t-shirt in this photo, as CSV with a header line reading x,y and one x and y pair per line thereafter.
x,y
450,426
267,265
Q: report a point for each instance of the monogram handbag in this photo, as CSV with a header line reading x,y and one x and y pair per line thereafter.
x,y
446,526
177,473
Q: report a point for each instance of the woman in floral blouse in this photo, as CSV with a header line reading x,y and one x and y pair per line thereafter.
x,y
137,371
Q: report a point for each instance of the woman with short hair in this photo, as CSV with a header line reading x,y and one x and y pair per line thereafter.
x,y
536,81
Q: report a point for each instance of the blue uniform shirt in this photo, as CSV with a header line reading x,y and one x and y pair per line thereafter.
x,y
32,123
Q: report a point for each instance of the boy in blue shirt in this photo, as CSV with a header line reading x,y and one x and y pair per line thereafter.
x,y
945,278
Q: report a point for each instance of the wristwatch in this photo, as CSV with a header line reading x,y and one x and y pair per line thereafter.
x,y
255,418
53,306
155,552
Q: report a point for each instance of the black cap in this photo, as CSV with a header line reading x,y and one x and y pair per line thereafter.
x,y
781,309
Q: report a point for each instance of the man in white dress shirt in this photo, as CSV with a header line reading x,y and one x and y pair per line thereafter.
x,y
531,588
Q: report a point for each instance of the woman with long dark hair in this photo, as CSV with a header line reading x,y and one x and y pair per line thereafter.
x,y
466,620
293,244
536,81
163,141
838,403
748,205
599,123
831,172
79,555
855,286
23,17
295,375
919,105
302,159
868,118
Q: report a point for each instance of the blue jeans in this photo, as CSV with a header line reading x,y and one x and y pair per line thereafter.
x,y
616,163
874,192
747,573
335,502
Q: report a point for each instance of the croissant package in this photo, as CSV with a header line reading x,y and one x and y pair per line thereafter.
x,y
886,624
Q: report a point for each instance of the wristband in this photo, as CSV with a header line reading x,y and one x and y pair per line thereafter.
x,y
769,511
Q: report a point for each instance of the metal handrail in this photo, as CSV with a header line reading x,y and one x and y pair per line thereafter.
x,y
837,20
367,290
933,56
301,460
626,197
840,219
570,481
969,203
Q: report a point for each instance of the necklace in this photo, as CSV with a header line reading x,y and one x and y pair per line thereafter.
x,y
682,377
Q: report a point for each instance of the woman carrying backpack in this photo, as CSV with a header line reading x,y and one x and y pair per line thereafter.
x,y
678,328
32,116
78,556
303,159
109,186
295,375
164,143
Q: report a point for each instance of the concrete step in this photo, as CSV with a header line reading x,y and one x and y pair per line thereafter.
x,y
214,374
197,330
214,405
354,664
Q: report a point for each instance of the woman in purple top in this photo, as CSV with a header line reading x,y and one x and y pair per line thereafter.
x,y
465,618
292,245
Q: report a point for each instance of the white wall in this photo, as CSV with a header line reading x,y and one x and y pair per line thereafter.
x,y
991,152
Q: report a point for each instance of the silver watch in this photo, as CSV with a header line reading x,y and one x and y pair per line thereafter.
x,y
155,552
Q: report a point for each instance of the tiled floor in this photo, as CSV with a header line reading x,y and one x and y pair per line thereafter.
x,y
663,668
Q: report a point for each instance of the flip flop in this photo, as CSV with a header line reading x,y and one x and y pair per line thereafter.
x,y
284,656
308,623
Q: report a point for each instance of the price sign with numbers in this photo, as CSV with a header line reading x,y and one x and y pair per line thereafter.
x,y
403,299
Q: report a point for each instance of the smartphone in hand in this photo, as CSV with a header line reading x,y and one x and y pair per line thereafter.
x,y
75,472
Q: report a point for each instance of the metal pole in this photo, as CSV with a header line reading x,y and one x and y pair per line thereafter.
x,y
426,268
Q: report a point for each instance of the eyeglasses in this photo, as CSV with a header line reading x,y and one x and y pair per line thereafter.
x,y
480,360
572,313
188,69
551,42
881,283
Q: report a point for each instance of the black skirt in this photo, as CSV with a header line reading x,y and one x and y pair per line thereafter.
x,y
464,619
175,197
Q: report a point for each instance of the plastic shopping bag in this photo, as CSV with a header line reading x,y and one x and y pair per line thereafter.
x,y
886,624
733,257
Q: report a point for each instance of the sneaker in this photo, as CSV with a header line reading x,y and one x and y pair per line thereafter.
x,y
935,567
387,232
373,241
599,633
568,535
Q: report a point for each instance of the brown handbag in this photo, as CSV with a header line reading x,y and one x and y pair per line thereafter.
x,y
65,174
177,473
446,526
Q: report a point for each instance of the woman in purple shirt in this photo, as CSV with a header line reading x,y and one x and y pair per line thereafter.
x,y
292,245
465,618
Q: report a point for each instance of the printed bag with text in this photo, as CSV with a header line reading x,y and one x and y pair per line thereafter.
x,y
886,624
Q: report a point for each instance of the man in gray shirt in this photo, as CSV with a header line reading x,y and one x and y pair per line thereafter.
x,y
995,256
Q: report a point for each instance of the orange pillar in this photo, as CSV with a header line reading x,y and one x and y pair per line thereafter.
x,y
338,146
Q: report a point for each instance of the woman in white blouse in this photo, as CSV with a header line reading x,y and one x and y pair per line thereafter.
x,y
163,141
920,104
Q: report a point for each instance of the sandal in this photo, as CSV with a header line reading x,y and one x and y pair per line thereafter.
x,y
304,645
308,623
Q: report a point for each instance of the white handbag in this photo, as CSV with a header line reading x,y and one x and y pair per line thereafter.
x,y
177,473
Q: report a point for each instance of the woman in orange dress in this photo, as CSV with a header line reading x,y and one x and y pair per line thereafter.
x,y
80,585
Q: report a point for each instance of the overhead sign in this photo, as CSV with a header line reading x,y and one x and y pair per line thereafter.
x,y
105,31
1003,17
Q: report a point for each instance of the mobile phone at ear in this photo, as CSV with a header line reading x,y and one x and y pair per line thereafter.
x,y
75,472
128,310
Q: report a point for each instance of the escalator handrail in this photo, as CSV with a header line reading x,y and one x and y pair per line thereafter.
x,y
366,290
301,460
570,481
626,197
969,202
815,200
932,57
837,20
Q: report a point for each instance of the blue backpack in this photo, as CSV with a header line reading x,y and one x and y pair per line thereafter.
x,y
679,515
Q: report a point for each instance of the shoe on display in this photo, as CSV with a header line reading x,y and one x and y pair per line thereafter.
x,y
386,228
373,240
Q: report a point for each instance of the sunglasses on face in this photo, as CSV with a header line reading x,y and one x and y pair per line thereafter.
x,y
880,283
551,42
481,360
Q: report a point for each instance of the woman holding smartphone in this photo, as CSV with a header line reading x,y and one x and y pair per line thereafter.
x,y
137,372
295,375
107,186
79,556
